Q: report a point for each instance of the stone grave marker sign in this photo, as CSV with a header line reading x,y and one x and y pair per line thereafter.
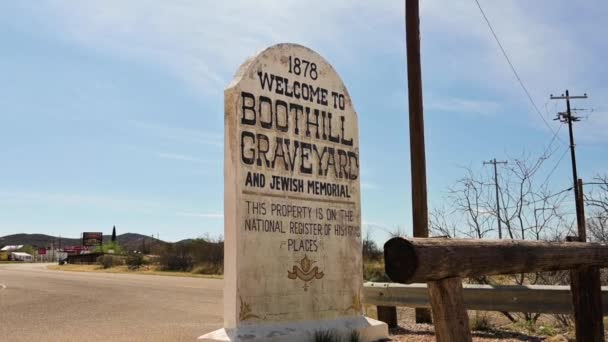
x,y
292,210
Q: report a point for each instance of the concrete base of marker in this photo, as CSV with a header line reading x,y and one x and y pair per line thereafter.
x,y
369,330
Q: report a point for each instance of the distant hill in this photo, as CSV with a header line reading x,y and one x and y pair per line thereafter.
x,y
38,240
129,241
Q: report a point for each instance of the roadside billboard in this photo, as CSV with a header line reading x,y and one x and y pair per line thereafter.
x,y
92,239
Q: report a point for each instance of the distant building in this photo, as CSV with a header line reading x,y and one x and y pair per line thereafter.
x,y
20,256
9,248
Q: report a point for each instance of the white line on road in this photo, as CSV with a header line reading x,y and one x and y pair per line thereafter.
x,y
2,286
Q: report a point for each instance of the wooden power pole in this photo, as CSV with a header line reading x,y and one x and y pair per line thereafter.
x,y
568,118
585,282
417,153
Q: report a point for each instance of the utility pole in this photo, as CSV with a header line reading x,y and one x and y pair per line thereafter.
x,y
494,162
417,153
566,117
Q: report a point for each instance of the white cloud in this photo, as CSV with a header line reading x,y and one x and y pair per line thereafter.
x,y
549,55
204,42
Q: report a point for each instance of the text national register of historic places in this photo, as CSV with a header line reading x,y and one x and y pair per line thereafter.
x,y
292,209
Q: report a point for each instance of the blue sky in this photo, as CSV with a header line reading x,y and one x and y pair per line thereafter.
x,y
111,112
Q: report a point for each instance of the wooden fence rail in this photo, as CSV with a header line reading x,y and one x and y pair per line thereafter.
x,y
422,260
508,298
442,263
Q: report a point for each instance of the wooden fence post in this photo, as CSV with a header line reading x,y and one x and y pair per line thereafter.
x,y
587,302
449,315
586,288
388,315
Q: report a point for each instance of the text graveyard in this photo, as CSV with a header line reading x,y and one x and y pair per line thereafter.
x,y
292,202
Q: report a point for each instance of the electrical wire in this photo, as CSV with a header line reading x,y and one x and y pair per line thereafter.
x,y
595,183
521,83
555,167
539,200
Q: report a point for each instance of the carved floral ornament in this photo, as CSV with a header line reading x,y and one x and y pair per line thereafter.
x,y
305,272
246,312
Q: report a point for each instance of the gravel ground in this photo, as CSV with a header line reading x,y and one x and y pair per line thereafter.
x,y
425,332
408,330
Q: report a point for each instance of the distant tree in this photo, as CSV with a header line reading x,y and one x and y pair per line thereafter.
x,y
114,234
107,247
28,249
371,252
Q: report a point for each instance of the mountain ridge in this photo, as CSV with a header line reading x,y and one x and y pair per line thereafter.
x,y
129,241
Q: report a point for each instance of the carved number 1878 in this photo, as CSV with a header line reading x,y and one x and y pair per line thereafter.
x,y
301,66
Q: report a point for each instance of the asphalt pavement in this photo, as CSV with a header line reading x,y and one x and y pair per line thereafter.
x,y
37,304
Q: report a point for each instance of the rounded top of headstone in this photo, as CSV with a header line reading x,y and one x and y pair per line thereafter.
x,y
285,54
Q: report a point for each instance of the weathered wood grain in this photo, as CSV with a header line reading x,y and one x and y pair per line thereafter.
x,y
449,315
426,259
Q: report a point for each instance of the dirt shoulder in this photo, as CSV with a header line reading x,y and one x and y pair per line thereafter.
x,y
145,270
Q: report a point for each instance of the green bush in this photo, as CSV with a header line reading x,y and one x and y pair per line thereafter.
x,y
113,247
108,261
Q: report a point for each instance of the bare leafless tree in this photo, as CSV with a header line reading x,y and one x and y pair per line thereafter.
x,y
440,223
529,210
596,201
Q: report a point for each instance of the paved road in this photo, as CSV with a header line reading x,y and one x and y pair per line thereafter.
x,y
37,304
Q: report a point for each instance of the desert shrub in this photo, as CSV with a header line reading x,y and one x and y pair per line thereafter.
x,y
565,321
176,262
354,336
205,253
135,261
371,251
108,261
326,336
374,271
332,336
176,258
480,322
208,251
208,268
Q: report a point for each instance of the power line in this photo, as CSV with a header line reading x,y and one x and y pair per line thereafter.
x,y
595,183
525,203
555,167
521,83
